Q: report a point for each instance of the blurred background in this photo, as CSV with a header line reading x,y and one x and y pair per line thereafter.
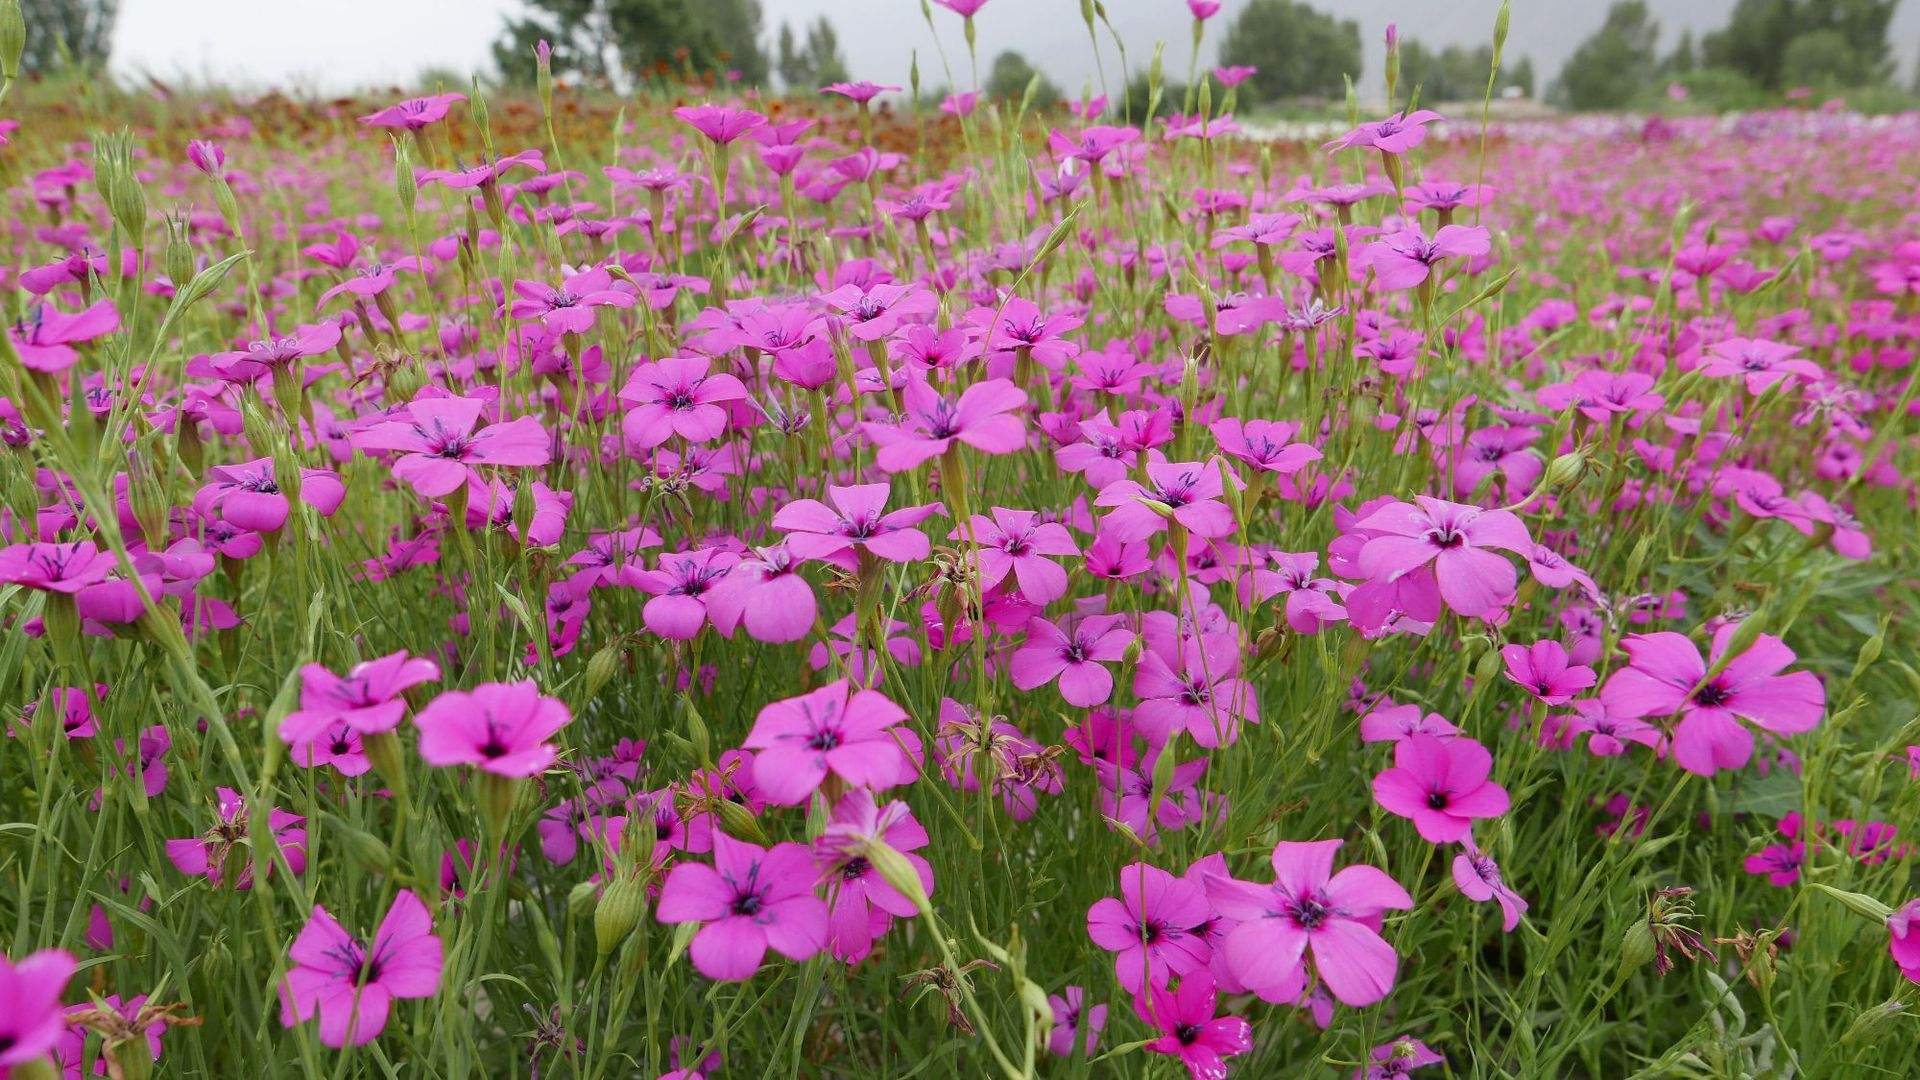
x,y
1562,54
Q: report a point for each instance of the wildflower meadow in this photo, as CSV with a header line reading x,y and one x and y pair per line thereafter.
x,y
698,583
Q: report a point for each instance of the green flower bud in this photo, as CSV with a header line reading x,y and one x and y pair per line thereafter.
x,y
13,39
619,910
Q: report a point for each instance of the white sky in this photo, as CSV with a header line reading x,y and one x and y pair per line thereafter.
x,y
334,45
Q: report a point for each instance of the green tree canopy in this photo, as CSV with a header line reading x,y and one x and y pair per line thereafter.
x,y
62,32
805,68
636,40
1456,73
1010,75
1300,52
1849,46
1616,64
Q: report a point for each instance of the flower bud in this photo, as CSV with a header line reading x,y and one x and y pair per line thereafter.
x,y
1564,471
1637,947
697,731
115,179
405,185
496,795
896,871
1858,903
13,39
601,668
619,910
581,899
740,822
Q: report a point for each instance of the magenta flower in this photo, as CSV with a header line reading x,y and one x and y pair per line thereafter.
x,y
767,595
1072,652
986,416
414,114
857,522
1394,723
677,396
1201,693
352,987
1902,941
680,587
720,124
1395,1060
207,157
1665,677
1266,445
56,568
569,308
749,899
1015,542
860,903
501,728
44,340
1544,671
1607,734
1397,134
1074,1022
1408,258
33,1021
858,92
262,358
1478,877
249,497
1189,490
1150,928
486,174
836,729
1761,363
366,699
1461,542
440,450
222,848
1190,1030
1310,909
1203,9
1441,785
963,8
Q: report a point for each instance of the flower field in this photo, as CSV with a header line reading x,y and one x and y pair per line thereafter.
x,y
710,585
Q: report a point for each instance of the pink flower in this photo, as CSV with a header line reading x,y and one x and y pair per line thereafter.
x,y
1394,723
1544,671
1074,1023
414,114
1397,134
33,1021
1014,542
964,8
766,594
1407,258
1459,541
353,987
836,729
1072,652
1902,941
1150,928
1190,490
1189,1029
1760,363
752,897
1394,1060
1666,676
1310,909
963,102
1607,734
366,699
221,848
55,568
1440,785
440,450
207,157
859,92
1203,695
860,903
1203,9
855,523
44,340
676,396
1478,877
248,496
501,728
262,358
569,308
986,416
1266,445
720,124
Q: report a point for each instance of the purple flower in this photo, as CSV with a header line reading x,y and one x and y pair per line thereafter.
x,y
1441,785
352,987
500,728
749,899
837,729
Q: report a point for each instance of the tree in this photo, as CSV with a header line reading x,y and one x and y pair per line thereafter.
x,y
1010,75
1614,65
1850,47
634,40
818,64
62,32
1682,59
1299,52
1455,73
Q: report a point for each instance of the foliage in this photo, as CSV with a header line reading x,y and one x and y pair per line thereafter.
x,y
63,32
804,69
1848,45
636,40
1008,77
1613,66
1299,50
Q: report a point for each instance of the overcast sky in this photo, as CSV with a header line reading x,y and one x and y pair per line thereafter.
x,y
346,44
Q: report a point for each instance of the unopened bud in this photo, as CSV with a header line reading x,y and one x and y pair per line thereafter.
x,y
601,668
1637,947
619,910
405,184
13,39
1564,471
1858,903
896,871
